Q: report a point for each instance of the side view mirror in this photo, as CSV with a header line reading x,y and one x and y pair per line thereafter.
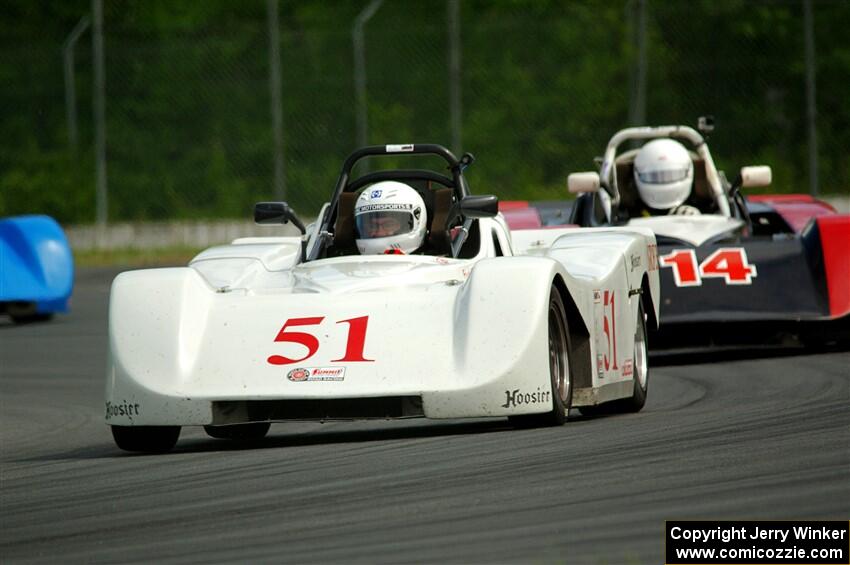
x,y
276,213
578,183
479,206
756,176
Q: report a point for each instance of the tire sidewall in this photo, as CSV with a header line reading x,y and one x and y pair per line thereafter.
x,y
561,406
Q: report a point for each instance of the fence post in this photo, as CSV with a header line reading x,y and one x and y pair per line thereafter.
x,y
99,114
811,106
70,87
360,71
453,8
637,106
276,101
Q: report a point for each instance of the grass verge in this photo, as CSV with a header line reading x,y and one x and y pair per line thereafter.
x,y
131,257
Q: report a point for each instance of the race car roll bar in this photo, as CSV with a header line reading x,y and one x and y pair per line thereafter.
x,y
689,134
456,166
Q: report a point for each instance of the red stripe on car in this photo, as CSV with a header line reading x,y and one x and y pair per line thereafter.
x,y
835,241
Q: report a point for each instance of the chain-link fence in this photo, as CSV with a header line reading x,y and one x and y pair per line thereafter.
x,y
543,85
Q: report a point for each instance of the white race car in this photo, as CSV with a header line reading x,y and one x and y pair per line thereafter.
x,y
477,322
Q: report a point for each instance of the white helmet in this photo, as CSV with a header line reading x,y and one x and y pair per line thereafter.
x,y
389,217
663,173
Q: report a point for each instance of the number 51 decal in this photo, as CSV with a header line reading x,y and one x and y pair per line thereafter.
x,y
606,327
353,347
728,263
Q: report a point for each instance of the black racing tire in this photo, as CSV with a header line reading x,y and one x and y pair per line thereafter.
x,y
239,432
147,439
640,372
559,369
32,318
640,376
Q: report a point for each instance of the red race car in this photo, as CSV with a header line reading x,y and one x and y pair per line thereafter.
x,y
734,269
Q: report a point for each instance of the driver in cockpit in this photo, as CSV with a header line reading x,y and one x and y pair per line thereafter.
x,y
389,218
664,175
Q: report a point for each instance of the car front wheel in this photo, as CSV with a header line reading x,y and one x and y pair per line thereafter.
x,y
559,369
147,439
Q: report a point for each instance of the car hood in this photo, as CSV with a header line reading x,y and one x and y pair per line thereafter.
x,y
358,274
695,230
275,269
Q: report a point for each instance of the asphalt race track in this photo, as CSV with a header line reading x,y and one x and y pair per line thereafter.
x,y
720,438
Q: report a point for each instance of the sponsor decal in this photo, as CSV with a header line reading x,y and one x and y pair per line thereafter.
x,y
628,368
382,207
304,374
600,365
635,261
597,296
403,148
652,255
123,409
516,397
298,375
376,194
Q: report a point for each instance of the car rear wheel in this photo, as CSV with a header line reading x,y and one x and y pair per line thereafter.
x,y
641,367
148,439
256,430
559,369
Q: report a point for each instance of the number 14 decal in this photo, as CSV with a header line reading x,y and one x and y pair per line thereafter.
x,y
728,263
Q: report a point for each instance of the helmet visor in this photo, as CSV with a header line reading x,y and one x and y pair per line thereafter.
x,y
383,224
663,176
